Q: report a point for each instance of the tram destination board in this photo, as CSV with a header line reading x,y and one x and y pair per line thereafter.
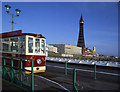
x,y
8,34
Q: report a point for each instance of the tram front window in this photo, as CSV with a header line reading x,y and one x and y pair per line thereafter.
x,y
37,45
30,45
43,46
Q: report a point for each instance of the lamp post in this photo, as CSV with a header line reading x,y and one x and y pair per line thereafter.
x,y
17,13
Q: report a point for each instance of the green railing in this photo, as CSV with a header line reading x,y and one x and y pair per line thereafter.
x,y
74,81
17,75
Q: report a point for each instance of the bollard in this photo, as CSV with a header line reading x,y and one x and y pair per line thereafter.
x,y
32,84
74,80
94,71
66,68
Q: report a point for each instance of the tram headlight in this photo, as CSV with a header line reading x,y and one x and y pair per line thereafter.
x,y
38,61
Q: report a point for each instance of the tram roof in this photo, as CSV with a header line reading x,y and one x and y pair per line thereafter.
x,y
19,33
32,34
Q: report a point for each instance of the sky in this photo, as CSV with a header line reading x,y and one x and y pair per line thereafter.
x,y
59,22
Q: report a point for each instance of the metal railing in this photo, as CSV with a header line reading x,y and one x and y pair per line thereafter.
x,y
74,73
17,75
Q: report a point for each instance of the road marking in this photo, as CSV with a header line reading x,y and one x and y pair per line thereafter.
x,y
85,70
53,82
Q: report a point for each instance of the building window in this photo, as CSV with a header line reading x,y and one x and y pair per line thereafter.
x,y
67,47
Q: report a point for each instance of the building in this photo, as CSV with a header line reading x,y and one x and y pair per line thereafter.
x,y
52,49
66,49
66,55
89,52
81,42
46,51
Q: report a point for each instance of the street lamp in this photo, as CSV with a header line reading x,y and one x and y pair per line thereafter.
x,y
7,8
17,13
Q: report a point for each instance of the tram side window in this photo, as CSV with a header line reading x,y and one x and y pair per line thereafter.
x,y
0,44
30,45
5,43
14,44
37,45
22,44
43,46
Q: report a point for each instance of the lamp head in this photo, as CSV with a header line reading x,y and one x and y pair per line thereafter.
x,y
7,8
17,12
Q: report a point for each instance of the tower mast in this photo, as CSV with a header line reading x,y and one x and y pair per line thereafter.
x,y
81,42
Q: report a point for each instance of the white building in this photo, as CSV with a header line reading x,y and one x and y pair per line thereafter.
x,y
52,49
68,49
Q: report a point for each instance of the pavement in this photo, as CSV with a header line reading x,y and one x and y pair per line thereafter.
x,y
7,86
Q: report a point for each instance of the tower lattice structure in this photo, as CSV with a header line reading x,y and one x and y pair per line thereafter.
x,y
81,42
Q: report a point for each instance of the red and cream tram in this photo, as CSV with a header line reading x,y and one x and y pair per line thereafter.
x,y
25,45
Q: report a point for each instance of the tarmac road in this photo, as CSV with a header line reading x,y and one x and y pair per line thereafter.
x,y
87,67
85,80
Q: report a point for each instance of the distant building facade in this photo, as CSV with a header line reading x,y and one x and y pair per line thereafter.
x,y
52,49
66,49
89,52
66,55
46,51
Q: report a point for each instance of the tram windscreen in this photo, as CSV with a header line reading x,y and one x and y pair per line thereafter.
x,y
30,45
43,46
37,45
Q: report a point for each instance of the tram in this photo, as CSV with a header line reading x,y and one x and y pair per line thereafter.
x,y
25,45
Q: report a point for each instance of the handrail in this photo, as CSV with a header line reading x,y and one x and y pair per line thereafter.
x,y
17,68
16,58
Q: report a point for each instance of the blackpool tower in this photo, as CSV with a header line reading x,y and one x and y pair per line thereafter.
x,y
81,42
